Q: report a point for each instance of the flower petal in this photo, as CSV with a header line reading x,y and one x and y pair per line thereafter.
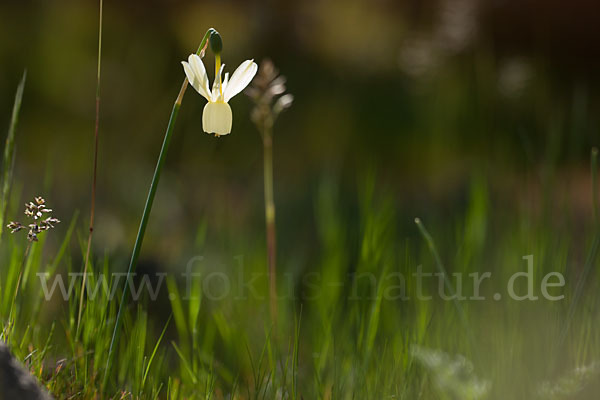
x,y
225,81
196,74
240,79
217,90
217,118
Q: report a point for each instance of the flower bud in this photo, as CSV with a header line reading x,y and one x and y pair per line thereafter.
x,y
216,44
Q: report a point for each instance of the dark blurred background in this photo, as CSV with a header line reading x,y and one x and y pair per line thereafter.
x,y
424,95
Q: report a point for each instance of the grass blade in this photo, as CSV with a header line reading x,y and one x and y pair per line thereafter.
x,y
442,270
9,151
154,352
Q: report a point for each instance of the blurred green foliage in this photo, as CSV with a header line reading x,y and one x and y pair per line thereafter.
x,y
427,93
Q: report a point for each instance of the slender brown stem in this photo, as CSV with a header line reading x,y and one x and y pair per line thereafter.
x,y
270,220
94,176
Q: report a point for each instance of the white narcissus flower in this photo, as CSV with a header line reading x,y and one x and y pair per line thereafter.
x,y
217,116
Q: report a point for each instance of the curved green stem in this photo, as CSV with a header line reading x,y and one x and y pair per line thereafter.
x,y
145,216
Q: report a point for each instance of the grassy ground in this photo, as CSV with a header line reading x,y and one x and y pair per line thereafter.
x,y
343,329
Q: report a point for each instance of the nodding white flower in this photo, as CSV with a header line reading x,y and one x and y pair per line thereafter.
x,y
217,116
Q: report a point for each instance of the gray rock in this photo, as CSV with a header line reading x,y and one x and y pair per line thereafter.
x,y
15,381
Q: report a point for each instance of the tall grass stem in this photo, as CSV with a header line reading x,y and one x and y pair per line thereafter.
x,y
94,173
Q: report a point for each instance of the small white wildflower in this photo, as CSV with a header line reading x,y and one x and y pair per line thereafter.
x,y
217,117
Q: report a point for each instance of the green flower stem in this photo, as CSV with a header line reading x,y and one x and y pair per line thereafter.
x,y
145,216
270,219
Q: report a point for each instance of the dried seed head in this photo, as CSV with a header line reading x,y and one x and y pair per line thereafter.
x,y
15,226
49,223
266,87
35,211
283,103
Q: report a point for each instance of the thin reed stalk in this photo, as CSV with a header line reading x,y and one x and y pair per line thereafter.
x,y
94,173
